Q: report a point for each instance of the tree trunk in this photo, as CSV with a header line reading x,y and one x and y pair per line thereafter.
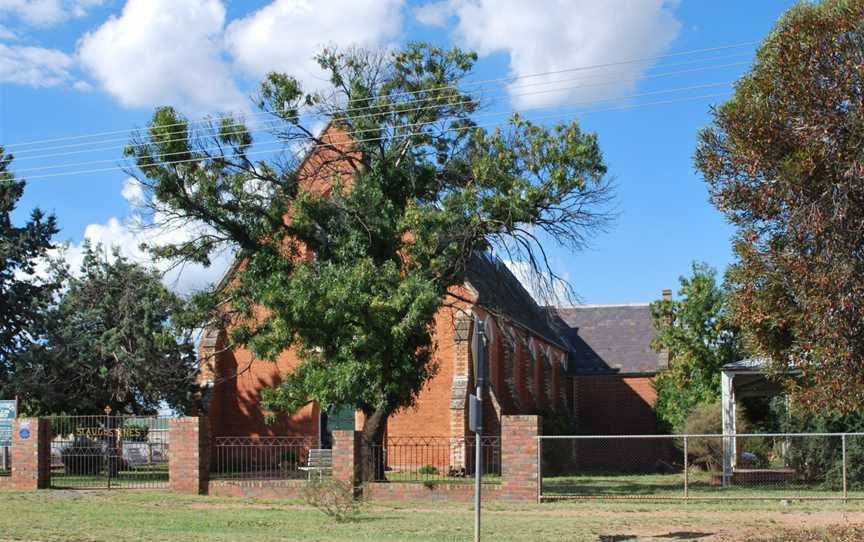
x,y
373,459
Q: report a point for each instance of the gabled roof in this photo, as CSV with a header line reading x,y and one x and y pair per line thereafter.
x,y
756,365
500,292
610,339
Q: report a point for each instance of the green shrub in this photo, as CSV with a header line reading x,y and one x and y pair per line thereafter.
x,y
428,470
334,498
820,459
707,419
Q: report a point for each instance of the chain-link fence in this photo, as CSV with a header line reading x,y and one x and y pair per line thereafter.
x,y
812,466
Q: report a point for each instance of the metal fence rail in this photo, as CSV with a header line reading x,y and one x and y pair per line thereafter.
x,y
261,458
801,466
109,452
436,459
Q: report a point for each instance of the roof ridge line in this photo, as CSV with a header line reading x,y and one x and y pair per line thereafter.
x,y
603,305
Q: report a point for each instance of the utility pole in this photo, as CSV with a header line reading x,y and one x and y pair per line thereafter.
x,y
475,413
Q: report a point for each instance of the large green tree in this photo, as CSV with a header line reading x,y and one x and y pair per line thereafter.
x,y
110,340
425,190
24,296
699,338
784,161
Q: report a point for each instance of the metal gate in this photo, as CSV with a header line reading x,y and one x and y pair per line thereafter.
x,y
109,452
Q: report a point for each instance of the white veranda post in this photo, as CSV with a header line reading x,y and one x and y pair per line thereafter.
x,y
729,430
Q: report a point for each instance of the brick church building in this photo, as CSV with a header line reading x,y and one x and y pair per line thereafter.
x,y
592,364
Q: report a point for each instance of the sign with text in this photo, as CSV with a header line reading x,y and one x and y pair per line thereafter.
x,y
8,411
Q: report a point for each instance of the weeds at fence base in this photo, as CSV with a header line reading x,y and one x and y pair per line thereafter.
x,y
334,498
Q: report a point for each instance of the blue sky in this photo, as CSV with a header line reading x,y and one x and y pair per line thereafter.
x,y
70,67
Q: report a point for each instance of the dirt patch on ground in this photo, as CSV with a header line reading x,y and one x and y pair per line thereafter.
x,y
681,523
726,526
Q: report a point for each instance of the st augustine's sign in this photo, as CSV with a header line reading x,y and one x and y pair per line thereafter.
x,y
8,411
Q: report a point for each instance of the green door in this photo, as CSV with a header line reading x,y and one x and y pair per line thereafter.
x,y
340,418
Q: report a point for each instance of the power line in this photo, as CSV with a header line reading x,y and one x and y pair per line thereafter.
x,y
458,128
243,127
443,87
410,125
186,131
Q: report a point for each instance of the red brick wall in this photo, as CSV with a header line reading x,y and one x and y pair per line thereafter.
x,y
346,455
189,456
235,404
31,457
235,408
519,468
618,405
529,394
431,415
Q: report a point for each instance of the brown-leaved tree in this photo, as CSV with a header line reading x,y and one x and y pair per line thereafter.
x,y
784,161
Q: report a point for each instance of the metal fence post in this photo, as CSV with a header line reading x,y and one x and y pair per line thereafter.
x,y
845,479
539,469
686,470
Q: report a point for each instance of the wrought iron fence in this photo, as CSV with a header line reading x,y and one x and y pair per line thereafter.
x,y
808,466
436,459
264,458
109,452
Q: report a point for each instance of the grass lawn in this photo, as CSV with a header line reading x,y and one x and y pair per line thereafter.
x,y
127,516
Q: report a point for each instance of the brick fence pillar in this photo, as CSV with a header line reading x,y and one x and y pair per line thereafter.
x,y
346,455
188,455
519,468
31,453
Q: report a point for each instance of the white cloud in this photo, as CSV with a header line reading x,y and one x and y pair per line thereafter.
x,y
34,66
82,86
286,34
159,52
128,236
79,7
434,13
47,13
133,192
7,34
551,35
